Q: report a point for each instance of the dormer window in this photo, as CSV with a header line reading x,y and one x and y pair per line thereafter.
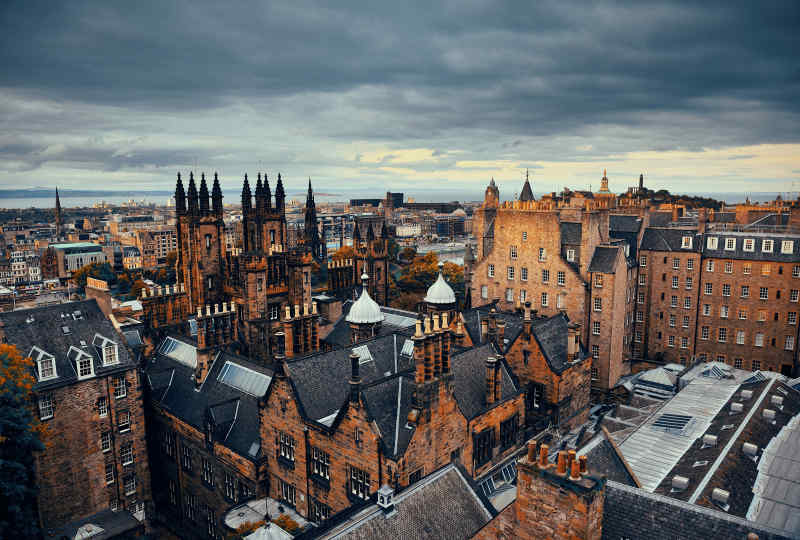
x,y
45,364
711,242
767,245
787,247
110,355
82,362
108,349
686,242
749,244
730,244
85,367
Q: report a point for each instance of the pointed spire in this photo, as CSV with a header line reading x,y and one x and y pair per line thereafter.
x,y
356,232
527,192
204,202
259,194
180,197
58,214
384,230
216,197
370,233
247,199
267,194
191,196
280,195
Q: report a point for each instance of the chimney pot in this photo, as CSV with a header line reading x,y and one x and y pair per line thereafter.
x,y
297,310
562,463
575,470
314,308
583,460
305,309
543,449
531,451
208,310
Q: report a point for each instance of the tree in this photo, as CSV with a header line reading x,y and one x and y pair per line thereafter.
x,y
136,289
344,253
21,435
172,257
96,270
407,255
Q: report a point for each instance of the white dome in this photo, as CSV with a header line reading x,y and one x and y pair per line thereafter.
x,y
365,310
440,292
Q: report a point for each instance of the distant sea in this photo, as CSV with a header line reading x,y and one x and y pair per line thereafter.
x,y
160,199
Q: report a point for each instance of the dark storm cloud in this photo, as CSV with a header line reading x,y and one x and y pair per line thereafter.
x,y
486,77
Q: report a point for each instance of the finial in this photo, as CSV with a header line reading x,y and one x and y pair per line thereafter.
x,y
604,173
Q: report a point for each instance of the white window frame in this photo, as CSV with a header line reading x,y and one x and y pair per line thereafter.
x,y
120,383
724,312
510,273
767,245
126,453
749,245
787,247
109,473
523,273
545,299
124,427
484,292
509,295
596,328
542,254
129,484
686,242
46,406
643,261
788,343
712,242
730,244
513,252
570,255
561,278
709,266
597,304
758,341
39,355
105,441
490,270
102,406
740,337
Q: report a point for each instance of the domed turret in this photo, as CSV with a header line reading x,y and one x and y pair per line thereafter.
x,y
365,310
440,292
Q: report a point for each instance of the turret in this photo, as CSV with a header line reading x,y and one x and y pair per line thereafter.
x,y
259,194
216,197
247,199
204,202
267,194
527,192
280,196
180,197
192,196
492,196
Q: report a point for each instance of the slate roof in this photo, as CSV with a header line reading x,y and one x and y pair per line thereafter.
x,y
442,505
527,192
606,460
604,259
469,369
114,525
659,219
394,320
724,217
235,411
382,403
635,514
757,254
551,334
624,223
571,233
473,316
43,327
669,239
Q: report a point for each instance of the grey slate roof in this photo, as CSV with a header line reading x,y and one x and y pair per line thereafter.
x,y
635,514
757,254
551,334
604,259
669,239
473,316
114,524
605,460
527,192
659,219
395,320
571,233
382,400
235,412
469,369
624,223
442,505
43,327
724,217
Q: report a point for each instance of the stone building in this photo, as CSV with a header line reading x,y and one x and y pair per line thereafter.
x,y
89,396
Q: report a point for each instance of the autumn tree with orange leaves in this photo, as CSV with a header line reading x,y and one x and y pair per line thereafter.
x,y
21,435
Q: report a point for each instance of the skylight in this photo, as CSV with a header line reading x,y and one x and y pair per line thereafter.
x,y
179,351
244,379
363,353
408,348
672,422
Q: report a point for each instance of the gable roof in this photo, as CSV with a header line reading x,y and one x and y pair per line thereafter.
x,y
669,239
571,233
604,259
551,334
469,376
65,331
624,223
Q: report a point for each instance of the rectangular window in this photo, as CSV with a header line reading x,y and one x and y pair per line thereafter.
x,y
637,337
726,289
796,271
687,302
208,473
110,355
740,337
288,493
508,432
130,484
105,441
707,310
320,463
728,267
84,367
46,407
671,341
598,304
704,333
320,511
672,321
766,269
711,242
639,316
124,421
767,245
674,282
756,364
598,281
524,273
359,483
689,283
186,457
596,328
109,473
545,299
723,312
126,453
686,242
570,255
561,278
513,252
102,406
787,247
737,363
676,263
745,291
708,289
230,487
722,335
643,261
524,236
763,293
684,343
690,264
120,387
730,244
560,301
788,344
510,273
749,244
673,301
523,295
642,279
640,298
791,317
762,315
747,268
794,294
491,270
285,446
542,254
742,315
484,292
595,352
686,321
709,266
545,276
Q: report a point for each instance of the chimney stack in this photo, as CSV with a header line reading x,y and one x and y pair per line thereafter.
x,y
491,385
501,332
573,341
484,330
562,463
355,379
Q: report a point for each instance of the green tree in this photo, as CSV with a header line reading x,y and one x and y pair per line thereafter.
x,y
21,435
344,253
96,270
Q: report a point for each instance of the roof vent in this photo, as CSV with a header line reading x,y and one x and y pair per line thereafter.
x,y
750,449
30,319
65,330
720,498
702,463
769,414
747,394
727,427
736,408
783,391
386,498
709,440
777,400
679,483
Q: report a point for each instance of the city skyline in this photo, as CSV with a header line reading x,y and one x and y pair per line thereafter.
x,y
403,97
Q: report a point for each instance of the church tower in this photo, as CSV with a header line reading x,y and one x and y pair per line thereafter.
x,y
311,232
58,215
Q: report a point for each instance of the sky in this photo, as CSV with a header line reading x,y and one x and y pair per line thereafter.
x,y
402,96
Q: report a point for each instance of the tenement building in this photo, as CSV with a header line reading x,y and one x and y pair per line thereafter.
x,y
95,469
